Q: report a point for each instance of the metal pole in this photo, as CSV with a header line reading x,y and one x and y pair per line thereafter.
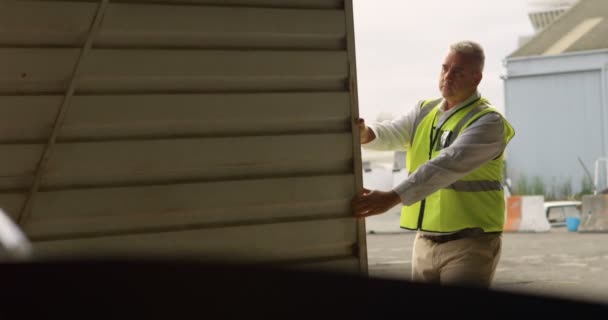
x,y
595,176
604,109
596,180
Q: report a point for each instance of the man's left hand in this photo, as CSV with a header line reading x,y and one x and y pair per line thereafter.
x,y
371,202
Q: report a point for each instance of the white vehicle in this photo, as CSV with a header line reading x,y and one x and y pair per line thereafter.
x,y
558,211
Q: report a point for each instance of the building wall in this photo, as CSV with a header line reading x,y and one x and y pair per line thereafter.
x,y
214,129
557,106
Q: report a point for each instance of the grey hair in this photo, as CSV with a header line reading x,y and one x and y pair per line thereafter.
x,y
472,49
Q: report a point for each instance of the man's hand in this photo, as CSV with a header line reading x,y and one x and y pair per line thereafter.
x,y
365,134
371,202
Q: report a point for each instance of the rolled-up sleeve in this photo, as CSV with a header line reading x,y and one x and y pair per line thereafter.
x,y
393,134
479,143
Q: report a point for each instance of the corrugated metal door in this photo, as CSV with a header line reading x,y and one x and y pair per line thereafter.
x,y
200,128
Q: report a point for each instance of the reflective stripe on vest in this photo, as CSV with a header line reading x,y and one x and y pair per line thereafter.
x,y
466,119
426,107
475,186
474,201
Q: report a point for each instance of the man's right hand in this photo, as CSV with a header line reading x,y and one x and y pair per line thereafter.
x,y
365,134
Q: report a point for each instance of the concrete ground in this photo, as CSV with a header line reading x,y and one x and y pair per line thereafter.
x,y
556,263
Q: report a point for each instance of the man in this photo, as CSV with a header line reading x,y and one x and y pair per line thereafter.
x,y
453,193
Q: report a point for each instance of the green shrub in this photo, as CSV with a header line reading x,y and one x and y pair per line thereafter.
x,y
522,188
586,188
538,186
565,190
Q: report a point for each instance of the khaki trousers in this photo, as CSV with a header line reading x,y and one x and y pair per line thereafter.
x,y
468,261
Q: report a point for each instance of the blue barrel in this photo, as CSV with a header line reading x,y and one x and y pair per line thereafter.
x,y
572,223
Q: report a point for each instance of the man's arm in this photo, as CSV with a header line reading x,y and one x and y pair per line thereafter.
x,y
482,141
390,134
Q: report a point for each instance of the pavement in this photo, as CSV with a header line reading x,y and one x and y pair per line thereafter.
x,y
556,263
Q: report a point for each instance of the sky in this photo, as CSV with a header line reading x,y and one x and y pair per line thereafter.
x,y
400,45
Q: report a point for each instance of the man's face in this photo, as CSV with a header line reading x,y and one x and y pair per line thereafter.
x,y
460,76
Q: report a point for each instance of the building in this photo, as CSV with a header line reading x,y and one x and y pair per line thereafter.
x,y
543,12
556,98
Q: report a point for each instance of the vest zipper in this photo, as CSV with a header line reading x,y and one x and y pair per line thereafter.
x,y
421,214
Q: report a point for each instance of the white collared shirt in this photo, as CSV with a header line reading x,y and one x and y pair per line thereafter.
x,y
482,141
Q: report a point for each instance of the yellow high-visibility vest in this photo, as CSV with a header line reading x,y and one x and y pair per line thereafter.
x,y
474,201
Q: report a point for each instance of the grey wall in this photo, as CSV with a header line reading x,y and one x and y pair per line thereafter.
x,y
558,117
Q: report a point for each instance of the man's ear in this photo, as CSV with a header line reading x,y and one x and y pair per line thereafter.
x,y
478,76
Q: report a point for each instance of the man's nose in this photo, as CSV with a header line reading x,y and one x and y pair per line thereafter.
x,y
448,75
